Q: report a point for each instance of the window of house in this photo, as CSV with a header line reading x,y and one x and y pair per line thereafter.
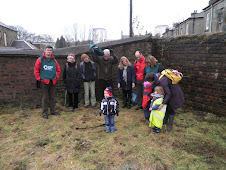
x,y
187,29
5,40
219,19
181,31
207,20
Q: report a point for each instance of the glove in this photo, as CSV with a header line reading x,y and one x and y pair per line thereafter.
x,y
117,113
111,52
100,112
38,84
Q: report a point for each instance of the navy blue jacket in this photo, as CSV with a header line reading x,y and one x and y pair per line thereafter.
x,y
131,78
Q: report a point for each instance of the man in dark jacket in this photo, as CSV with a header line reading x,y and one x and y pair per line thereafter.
x,y
47,72
105,68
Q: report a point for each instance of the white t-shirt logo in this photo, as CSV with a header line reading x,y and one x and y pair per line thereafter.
x,y
48,68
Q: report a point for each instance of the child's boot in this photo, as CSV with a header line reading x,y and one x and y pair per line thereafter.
x,y
157,130
112,129
107,129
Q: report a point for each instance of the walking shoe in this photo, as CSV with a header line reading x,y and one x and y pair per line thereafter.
x,y
75,109
107,129
45,116
128,107
71,109
139,107
55,113
88,106
112,129
158,130
124,105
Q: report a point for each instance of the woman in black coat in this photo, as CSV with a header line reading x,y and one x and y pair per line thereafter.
x,y
126,80
72,78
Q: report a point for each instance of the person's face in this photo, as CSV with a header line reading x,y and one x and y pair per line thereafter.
x,y
48,52
86,60
138,55
125,62
106,95
106,57
70,59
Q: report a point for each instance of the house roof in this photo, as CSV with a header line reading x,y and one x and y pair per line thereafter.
x,y
6,26
22,44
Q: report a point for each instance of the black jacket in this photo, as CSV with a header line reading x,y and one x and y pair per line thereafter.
x,y
72,77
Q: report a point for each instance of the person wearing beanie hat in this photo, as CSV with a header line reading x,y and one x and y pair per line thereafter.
x,y
47,72
109,106
88,71
105,68
72,79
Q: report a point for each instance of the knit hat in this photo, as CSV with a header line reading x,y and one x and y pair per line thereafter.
x,y
71,54
106,52
109,90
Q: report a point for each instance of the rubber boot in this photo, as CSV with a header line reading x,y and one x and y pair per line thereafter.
x,y
170,126
107,129
165,120
129,102
113,129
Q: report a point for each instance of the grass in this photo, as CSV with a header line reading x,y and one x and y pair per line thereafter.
x,y
77,140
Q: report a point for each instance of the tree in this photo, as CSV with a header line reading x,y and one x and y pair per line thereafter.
x,y
23,34
60,43
137,28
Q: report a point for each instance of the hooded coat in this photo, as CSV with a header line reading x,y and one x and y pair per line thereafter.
x,y
174,96
72,77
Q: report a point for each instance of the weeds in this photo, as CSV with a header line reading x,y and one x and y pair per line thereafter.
x,y
77,140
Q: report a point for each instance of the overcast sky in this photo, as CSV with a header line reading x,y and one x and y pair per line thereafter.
x,y
55,17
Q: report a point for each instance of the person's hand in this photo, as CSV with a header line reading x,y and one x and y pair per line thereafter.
x,y
111,52
150,109
100,112
118,85
133,85
160,107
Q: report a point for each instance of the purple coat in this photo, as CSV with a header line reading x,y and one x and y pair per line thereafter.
x,y
174,96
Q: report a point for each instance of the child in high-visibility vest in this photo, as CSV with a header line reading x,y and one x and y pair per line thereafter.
x,y
157,116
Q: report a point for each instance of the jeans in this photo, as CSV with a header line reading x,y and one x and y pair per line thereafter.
x,y
109,121
48,94
89,86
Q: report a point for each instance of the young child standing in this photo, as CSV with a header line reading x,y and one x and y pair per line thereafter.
x,y
157,116
109,107
146,99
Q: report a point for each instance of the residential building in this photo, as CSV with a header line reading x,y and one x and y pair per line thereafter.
x,y
7,35
215,16
212,19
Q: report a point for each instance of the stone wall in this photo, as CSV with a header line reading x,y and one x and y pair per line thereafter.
x,y
202,60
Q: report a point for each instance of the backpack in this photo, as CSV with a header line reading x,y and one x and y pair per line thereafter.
x,y
172,74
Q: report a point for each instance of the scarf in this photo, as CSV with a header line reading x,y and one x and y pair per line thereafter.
x,y
124,75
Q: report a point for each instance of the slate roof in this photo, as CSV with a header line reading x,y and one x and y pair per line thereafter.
x,y
6,26
22,44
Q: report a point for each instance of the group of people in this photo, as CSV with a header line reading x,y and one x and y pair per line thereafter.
x,y
158,98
